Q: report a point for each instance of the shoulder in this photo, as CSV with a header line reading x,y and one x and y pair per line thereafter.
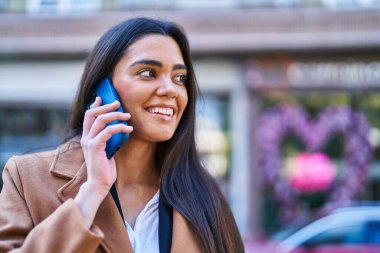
x,y
184,236
39,167
29,165
31,161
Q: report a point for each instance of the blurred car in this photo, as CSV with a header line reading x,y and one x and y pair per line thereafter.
x,y
346,230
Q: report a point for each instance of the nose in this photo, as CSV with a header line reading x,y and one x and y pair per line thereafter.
x,y
167,88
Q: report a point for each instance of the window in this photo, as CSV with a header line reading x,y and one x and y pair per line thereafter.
x,y
353,234
30,128
62,6
373,232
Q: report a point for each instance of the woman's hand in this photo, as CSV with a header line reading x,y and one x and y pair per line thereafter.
x,y
101,171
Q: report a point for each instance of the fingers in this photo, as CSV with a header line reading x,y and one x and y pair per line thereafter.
x,y
91,115
89,118
97,110
107,132
102,120
96,103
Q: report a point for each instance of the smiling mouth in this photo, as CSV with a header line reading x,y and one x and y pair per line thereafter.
x,y
162,111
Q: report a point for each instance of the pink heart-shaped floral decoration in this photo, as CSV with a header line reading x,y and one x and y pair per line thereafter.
x,y
276,123
310,172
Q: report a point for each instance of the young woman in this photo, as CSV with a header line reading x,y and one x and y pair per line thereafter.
x,y
60,201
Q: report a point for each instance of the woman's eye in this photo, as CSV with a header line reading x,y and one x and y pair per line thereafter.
x,y
146,73
180,78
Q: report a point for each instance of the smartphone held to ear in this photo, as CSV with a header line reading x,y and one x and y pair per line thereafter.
x,y
108,94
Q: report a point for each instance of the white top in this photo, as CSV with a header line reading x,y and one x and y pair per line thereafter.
x,y
144,236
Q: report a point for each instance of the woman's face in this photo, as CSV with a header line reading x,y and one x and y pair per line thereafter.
x,y
150,81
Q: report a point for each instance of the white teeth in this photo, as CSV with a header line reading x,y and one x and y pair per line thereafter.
x,y
165,111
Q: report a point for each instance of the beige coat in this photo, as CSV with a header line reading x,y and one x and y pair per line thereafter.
x,y
38,214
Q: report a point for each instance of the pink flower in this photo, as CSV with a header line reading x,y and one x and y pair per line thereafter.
x,y
310,172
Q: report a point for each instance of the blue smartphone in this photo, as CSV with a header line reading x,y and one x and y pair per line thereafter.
x,y
108,94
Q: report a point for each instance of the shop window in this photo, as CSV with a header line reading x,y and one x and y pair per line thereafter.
x,y
29,129
212,136
62,6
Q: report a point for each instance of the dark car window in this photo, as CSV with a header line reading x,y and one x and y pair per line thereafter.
x,y
373,232
353,234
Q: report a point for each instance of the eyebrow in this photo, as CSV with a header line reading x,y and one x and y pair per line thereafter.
x,y
157,64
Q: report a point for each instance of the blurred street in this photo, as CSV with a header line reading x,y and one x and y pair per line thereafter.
x,y
289,122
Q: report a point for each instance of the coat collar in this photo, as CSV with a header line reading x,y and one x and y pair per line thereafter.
x,y
69,164
68,159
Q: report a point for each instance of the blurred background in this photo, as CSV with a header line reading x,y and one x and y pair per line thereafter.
x,y
289,123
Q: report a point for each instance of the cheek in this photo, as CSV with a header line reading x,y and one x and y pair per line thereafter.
x,y
130,96
127,99
123,90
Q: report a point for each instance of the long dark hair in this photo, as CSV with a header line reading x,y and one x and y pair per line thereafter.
x,y
184,184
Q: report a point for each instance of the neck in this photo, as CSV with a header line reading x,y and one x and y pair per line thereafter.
x,y
135,164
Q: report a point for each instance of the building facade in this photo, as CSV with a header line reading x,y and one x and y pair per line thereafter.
x,y
250,56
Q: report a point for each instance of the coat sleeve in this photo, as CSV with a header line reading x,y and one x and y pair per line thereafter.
x,y
62,231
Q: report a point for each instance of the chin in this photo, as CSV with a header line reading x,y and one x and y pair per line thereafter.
x,y
162,134
165,137
158,136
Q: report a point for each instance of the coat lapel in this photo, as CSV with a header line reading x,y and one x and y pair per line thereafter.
x,y
183,238
69,164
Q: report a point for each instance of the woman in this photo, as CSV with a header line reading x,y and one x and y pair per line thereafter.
x,y
60,202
